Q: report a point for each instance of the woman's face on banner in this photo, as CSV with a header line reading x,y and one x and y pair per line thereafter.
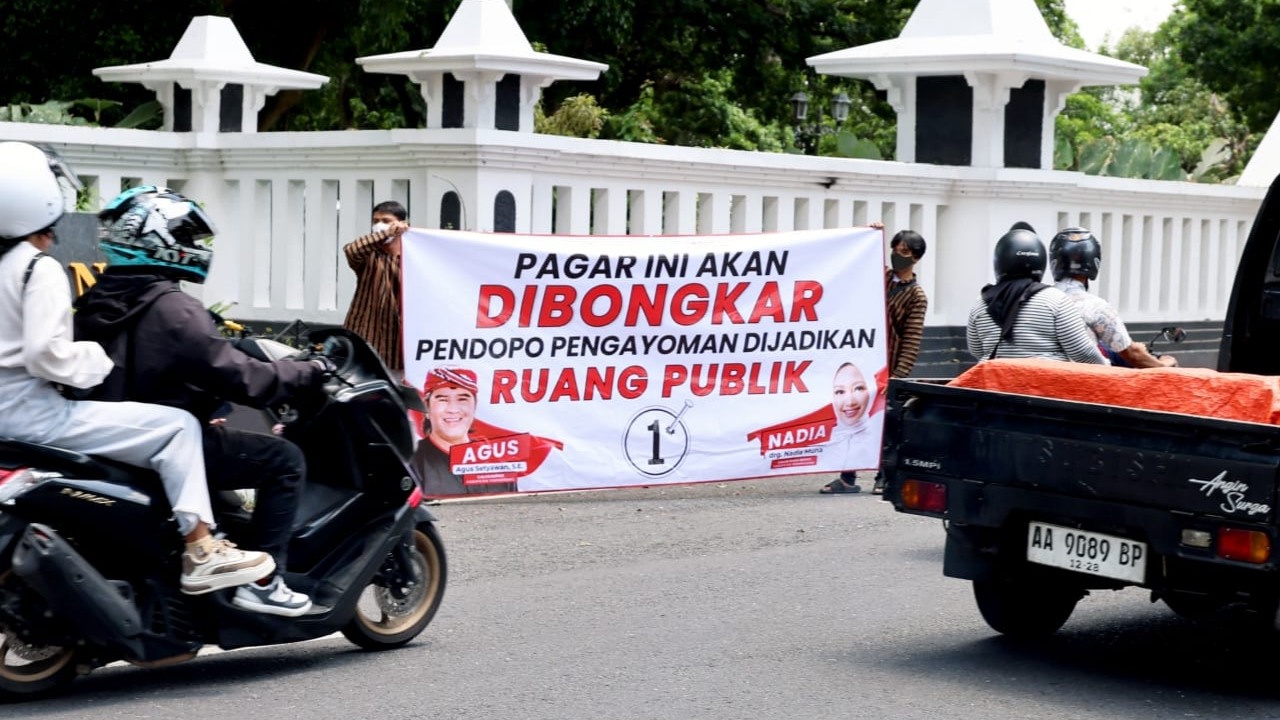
x,y
450,411
849,395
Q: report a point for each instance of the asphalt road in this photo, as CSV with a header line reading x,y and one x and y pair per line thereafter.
x,y
720,601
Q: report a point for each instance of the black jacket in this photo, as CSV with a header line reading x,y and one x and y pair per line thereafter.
x,y
167,350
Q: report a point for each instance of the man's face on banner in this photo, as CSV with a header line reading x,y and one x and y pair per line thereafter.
x,y
849,395
450,411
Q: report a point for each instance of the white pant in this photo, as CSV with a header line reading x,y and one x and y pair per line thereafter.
x,y
164,439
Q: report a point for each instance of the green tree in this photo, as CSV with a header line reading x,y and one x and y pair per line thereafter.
x,y
1230,45
1171,118
1176,110
52,47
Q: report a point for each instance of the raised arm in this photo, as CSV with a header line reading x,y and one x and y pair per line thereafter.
x,y
359,251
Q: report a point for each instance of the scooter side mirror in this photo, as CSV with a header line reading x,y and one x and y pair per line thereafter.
x,y
1173,334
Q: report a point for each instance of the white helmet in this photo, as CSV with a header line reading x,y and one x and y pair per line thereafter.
x,y
30,195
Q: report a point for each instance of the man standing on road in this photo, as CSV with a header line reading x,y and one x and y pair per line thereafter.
x,y
375,258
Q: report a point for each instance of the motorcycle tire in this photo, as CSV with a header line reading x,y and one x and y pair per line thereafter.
x,y
28,671
388,617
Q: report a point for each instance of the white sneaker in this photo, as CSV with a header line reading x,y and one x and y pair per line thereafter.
x,y
274,598
218,564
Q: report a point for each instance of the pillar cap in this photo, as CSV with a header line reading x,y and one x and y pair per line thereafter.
x,y
211,50
483,36
952,37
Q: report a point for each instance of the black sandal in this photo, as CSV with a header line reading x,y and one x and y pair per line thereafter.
x,y
838,487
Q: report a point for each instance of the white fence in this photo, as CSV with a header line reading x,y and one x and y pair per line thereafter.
x,y
285,204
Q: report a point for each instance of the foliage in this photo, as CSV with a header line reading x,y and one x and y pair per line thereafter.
x,y
635,124
1172,119
695,112
1229,46
852,146
55,112
1179,111
321,36
1131,158
49,113
578,116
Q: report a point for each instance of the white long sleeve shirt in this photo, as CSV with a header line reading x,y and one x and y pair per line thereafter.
x,y
36,346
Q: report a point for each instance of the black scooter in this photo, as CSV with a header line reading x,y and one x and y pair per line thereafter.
x,y
90,555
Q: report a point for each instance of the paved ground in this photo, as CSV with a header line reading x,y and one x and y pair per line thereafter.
x,y
721,601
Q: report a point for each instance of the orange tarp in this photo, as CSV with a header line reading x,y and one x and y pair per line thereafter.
x,y
1191,391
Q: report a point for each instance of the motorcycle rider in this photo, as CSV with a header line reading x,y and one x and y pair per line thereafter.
x,y
169,351
37,351
1076,256
1020,317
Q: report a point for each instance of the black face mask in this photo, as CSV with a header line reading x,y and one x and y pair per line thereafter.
x,y
901,262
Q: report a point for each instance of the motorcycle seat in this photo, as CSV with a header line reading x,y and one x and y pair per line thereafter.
x,y
15,453
19,453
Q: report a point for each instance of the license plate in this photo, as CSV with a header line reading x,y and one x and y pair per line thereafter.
x,y
1087,552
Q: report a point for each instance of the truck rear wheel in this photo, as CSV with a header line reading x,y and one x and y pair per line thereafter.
x,y
1021,610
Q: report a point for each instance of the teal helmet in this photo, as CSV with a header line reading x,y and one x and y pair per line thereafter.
x,y
157,228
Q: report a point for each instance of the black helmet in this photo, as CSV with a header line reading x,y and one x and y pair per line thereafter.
x,y
1075,252
1020,254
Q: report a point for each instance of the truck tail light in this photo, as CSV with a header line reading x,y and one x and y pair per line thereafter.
x,y
925,496
1249,546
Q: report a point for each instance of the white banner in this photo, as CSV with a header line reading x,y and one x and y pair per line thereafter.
x,y
557,362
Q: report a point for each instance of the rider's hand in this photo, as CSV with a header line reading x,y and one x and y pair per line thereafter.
x,y
325,364
1168,361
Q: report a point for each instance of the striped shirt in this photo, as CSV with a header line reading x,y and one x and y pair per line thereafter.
x,y
375,309
906,304
1048,326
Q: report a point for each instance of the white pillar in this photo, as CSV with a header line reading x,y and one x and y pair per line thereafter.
x,y
990,96
1055,99
900,93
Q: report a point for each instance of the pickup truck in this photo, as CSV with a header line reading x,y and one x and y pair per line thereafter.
x,y
1044,500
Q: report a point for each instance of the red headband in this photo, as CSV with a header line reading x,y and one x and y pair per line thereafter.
x,y
449,376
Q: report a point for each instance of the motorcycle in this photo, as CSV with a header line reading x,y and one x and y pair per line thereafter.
x,y
90,554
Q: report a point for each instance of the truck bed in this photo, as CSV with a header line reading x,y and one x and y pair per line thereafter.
x,y
1136,458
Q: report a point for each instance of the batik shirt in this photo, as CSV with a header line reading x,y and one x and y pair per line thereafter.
x,y
1102,319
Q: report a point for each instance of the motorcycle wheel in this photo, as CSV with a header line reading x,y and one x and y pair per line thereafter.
x,y
389,617
28,671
